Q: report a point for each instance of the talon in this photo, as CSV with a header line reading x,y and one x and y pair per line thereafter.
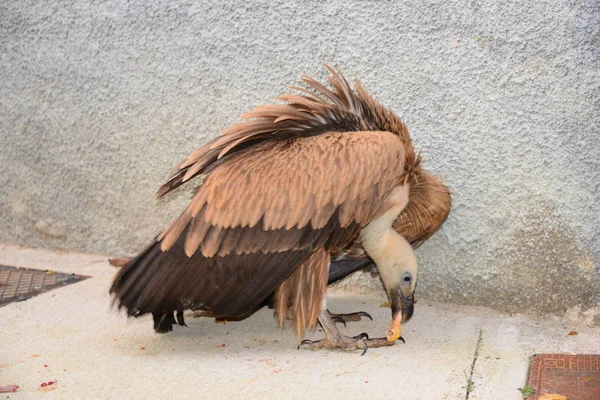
x,y
401,338
363,335
355,316
339,319
305,341
365,314
365,348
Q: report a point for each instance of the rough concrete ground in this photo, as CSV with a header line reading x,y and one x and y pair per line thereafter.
x,y
72,335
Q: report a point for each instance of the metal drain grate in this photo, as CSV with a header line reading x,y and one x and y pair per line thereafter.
x,y
18,284
575,376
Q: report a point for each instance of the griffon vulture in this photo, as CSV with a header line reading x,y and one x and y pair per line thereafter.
x,y
284,190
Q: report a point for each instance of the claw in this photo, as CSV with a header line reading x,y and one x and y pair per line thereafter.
x,y
401,338
364,314
365,348
362,336
355,316
305,341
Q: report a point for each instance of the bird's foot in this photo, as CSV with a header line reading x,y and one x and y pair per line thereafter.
x,y
335,340
350,317
359,342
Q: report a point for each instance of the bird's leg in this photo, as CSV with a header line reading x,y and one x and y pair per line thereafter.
x,y
350,317
334,339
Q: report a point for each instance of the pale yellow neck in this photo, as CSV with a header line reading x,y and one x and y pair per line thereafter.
x,y
375,235
390,251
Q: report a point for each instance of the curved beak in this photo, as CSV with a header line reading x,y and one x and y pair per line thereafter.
x,y
408,307
403,307
402,310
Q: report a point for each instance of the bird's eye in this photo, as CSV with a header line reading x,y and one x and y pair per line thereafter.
x,y
407,279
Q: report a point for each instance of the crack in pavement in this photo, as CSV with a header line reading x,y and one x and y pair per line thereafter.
x,y
470,378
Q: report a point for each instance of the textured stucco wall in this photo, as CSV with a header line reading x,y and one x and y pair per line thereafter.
x,y
99,99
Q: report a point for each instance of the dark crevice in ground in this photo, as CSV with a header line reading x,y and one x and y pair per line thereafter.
x,y
470,377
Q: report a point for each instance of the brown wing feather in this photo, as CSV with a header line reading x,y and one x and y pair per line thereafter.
x,y
260,184
239,238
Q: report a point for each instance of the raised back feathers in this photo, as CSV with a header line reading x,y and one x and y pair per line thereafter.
x,y
315,110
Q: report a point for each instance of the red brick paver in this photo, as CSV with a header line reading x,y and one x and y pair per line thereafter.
x,y
575,376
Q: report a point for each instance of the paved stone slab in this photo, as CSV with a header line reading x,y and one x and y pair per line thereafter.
x,y
73,338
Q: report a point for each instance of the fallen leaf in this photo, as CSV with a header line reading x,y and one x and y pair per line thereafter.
x,y
8,388
386,304
119,261
573,333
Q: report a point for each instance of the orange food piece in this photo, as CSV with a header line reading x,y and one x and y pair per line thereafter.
x,y
393,332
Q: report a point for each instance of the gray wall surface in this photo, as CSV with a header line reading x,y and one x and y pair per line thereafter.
x,y
100,99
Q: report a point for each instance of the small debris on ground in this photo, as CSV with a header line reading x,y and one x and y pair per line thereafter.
x,y
47,386
8,388
573,333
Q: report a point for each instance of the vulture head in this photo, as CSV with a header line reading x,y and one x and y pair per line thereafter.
x,y
394,258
